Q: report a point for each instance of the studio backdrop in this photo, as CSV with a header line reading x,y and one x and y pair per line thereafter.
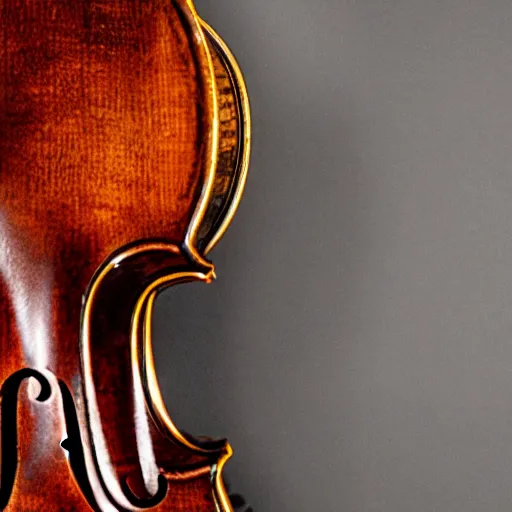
x,y
356,348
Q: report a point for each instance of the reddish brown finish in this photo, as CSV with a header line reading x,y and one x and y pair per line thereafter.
x,y
106,137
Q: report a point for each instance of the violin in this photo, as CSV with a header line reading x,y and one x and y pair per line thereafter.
x,y
124,148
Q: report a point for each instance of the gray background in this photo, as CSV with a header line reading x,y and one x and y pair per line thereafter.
x,y
357,346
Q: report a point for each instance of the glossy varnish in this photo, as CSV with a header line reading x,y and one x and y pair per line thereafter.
x,y
124,140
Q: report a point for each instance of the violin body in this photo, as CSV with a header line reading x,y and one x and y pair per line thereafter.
x,y
124,146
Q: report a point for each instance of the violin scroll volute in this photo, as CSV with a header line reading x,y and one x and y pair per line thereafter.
x,y
124,147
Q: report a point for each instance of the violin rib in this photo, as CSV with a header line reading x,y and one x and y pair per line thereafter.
x,y
124,148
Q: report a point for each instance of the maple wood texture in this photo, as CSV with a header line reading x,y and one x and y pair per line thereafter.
x,y
106,141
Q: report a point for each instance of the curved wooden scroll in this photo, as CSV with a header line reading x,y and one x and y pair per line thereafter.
x,y
124,147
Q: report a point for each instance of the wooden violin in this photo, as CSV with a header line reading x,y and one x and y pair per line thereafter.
x,y
124,147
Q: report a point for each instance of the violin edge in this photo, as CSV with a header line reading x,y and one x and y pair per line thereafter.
x,y
236,172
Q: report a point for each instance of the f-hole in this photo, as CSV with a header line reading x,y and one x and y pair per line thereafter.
x,y
9,435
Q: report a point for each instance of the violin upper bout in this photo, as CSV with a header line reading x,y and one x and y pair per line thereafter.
x,y
108,124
